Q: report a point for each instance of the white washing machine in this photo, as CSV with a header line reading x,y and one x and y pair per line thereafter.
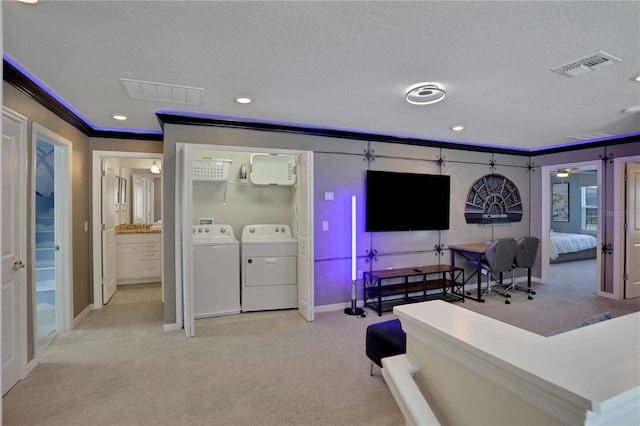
x,y
269,268
216,271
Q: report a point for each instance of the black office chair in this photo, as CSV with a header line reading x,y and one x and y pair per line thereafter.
x,y
498,259
525,257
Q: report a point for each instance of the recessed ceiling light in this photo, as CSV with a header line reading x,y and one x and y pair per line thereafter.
x,y
244,100
28,1
425,94
120,117
458,128
638,78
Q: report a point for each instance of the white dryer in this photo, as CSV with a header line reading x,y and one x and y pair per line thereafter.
x,y
216,271
269,268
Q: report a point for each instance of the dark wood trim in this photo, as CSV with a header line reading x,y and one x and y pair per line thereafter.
x,y
115,134
23,83
192,120
587,145
20,81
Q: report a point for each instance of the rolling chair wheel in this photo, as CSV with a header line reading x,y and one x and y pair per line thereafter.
x,y
530,298
506,302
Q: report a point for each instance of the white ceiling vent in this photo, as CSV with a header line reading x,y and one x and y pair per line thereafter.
x,y
586,64
161,92
589,136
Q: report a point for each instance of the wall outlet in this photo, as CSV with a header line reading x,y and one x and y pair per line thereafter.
x,y
359,275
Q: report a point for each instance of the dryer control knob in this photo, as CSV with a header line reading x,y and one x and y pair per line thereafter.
x,y
249,261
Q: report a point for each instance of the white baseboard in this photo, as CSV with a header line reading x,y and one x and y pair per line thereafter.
x,y
31,365
83,314
336,307
171,327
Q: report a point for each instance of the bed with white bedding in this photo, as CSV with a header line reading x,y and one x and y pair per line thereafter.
x,y
565,247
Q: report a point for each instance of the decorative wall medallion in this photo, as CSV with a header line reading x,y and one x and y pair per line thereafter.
x,y
493,200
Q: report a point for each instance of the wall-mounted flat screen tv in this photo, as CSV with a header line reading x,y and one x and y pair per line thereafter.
x,y
399,201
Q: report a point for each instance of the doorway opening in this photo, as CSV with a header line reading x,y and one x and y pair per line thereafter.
x,y
238,203
51,235
570,254
116,204
45,279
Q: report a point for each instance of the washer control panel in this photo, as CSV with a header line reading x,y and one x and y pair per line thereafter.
x,y
205,232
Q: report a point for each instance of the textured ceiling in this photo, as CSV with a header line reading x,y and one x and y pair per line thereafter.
x,y
343,65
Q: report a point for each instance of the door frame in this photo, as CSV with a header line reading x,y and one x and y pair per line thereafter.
x,y
183,214
63,207
96,212
21,309
546,220
619,246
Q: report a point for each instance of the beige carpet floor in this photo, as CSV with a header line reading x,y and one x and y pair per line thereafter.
x,y
118,366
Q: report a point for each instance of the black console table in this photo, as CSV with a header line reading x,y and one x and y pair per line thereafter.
x,y
390,287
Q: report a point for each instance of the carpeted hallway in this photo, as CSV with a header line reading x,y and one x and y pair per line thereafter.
x,y
118,367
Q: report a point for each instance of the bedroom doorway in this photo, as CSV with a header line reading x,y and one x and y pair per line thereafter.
x,y
571,199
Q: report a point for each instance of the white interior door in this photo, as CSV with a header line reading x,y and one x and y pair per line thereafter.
x,y
632,250
14,236
184,203
304,216
109,284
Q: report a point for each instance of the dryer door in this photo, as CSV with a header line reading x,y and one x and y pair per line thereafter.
x,y
270,270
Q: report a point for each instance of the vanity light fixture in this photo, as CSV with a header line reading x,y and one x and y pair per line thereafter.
x,y
562,173
119,117
28,1
244,100
154,168
425,94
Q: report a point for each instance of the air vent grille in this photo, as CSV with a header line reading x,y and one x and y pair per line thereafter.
x,y
586,64
161,92
589,136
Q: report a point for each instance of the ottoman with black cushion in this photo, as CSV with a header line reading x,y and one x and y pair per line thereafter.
x,y
385,339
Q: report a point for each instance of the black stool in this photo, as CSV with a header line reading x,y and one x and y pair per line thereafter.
x,y
385,339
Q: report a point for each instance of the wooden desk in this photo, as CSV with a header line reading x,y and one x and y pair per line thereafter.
x,y
474,252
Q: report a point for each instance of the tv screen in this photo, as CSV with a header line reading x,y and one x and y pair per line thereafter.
x,y
399,201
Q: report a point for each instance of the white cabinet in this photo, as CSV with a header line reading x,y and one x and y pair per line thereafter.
x,y
126,268
138,258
